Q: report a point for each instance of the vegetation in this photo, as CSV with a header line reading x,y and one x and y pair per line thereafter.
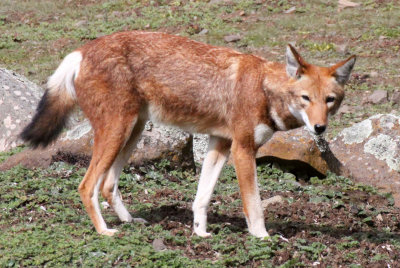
x,y
331,221
326,222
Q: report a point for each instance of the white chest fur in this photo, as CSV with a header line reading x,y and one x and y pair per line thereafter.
x,y
262,133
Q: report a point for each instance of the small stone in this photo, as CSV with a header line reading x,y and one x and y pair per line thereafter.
x,y
344,109
378,97
342,48
213,2
342,4
203,32
373,74
290,10
140,220
270,201
379,217
232,38
17,92
158,244
6,87
395,99
81,23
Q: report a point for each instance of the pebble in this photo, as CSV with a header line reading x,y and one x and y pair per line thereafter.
x,y
232,38
270,201
158,244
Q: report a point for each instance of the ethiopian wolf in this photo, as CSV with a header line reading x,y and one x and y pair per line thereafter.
x,y
124,79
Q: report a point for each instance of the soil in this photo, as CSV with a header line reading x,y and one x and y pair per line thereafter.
x,y
362,217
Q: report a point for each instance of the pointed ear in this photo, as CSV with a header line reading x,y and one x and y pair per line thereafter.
x,y
341,71
295,64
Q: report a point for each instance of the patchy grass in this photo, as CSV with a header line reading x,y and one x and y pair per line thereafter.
x,y
329,222
5,155
332,221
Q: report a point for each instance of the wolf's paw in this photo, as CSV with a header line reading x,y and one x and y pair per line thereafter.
x,y
108,232
202,233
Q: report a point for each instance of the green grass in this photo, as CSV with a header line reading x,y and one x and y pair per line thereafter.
x,y
44,224
330,221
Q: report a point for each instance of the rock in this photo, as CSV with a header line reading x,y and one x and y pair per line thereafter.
x,y
342,49
200,145
218,2
342,4
395,99
367,152
290,10
270,201
203,32
370,153
18,100
140,220
374,74
158,244
344,109
75,147
81,23
378,97
162,142
296,146
214,2
232,38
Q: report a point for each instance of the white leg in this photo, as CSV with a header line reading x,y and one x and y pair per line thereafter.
x,y
95,201
218,150
110,188
255,217
113,178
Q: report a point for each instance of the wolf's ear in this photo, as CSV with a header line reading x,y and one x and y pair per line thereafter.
x,y
295,64
341,71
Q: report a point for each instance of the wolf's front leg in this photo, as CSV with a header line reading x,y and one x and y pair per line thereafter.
x,y
218,151
245,165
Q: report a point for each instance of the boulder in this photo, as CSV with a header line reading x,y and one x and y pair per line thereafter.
x,y
395,99
18,101
378,97
75,147
295,149
161,142
370,152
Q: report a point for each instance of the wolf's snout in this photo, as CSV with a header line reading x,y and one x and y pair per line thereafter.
x,y
319,129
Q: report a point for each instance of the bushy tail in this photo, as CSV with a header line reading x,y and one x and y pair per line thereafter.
x,y
55,105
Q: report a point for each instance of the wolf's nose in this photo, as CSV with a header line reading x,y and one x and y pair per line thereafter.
x,y
319,128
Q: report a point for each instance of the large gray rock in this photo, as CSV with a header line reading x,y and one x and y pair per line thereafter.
x,y
75,146
18,101
370,152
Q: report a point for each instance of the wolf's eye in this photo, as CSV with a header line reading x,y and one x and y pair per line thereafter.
x,y
330,99
305,97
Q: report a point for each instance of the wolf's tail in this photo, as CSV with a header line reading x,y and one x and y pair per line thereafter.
x,y
55,105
